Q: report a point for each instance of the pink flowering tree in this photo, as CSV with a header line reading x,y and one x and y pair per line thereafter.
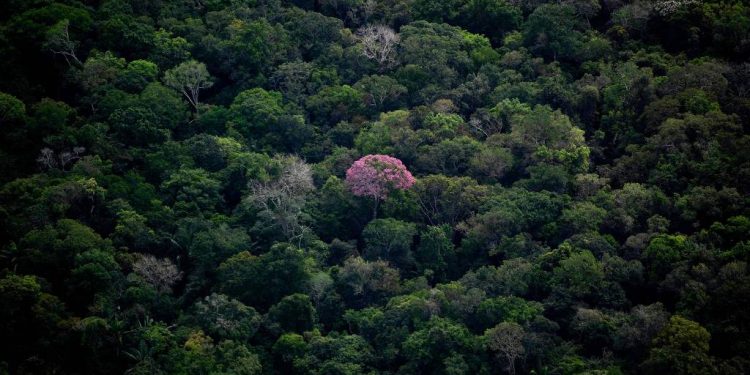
x,y
375,176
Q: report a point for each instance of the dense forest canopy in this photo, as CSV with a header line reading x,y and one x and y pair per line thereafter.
x,y
374,187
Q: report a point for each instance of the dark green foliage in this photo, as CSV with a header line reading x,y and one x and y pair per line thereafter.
x,y
389,239
263,280
174,195
681,347
294,313
435,252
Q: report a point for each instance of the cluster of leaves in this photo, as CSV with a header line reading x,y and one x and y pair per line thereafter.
x,y
560,187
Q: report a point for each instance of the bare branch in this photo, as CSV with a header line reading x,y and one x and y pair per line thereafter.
x,y
379,43
58,42
162,274
47,159
283,198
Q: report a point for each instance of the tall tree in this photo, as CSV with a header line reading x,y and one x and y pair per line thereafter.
x,y
190,77
505,340
379,44
375,176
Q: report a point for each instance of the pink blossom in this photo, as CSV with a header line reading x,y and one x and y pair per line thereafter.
x,y
376,175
